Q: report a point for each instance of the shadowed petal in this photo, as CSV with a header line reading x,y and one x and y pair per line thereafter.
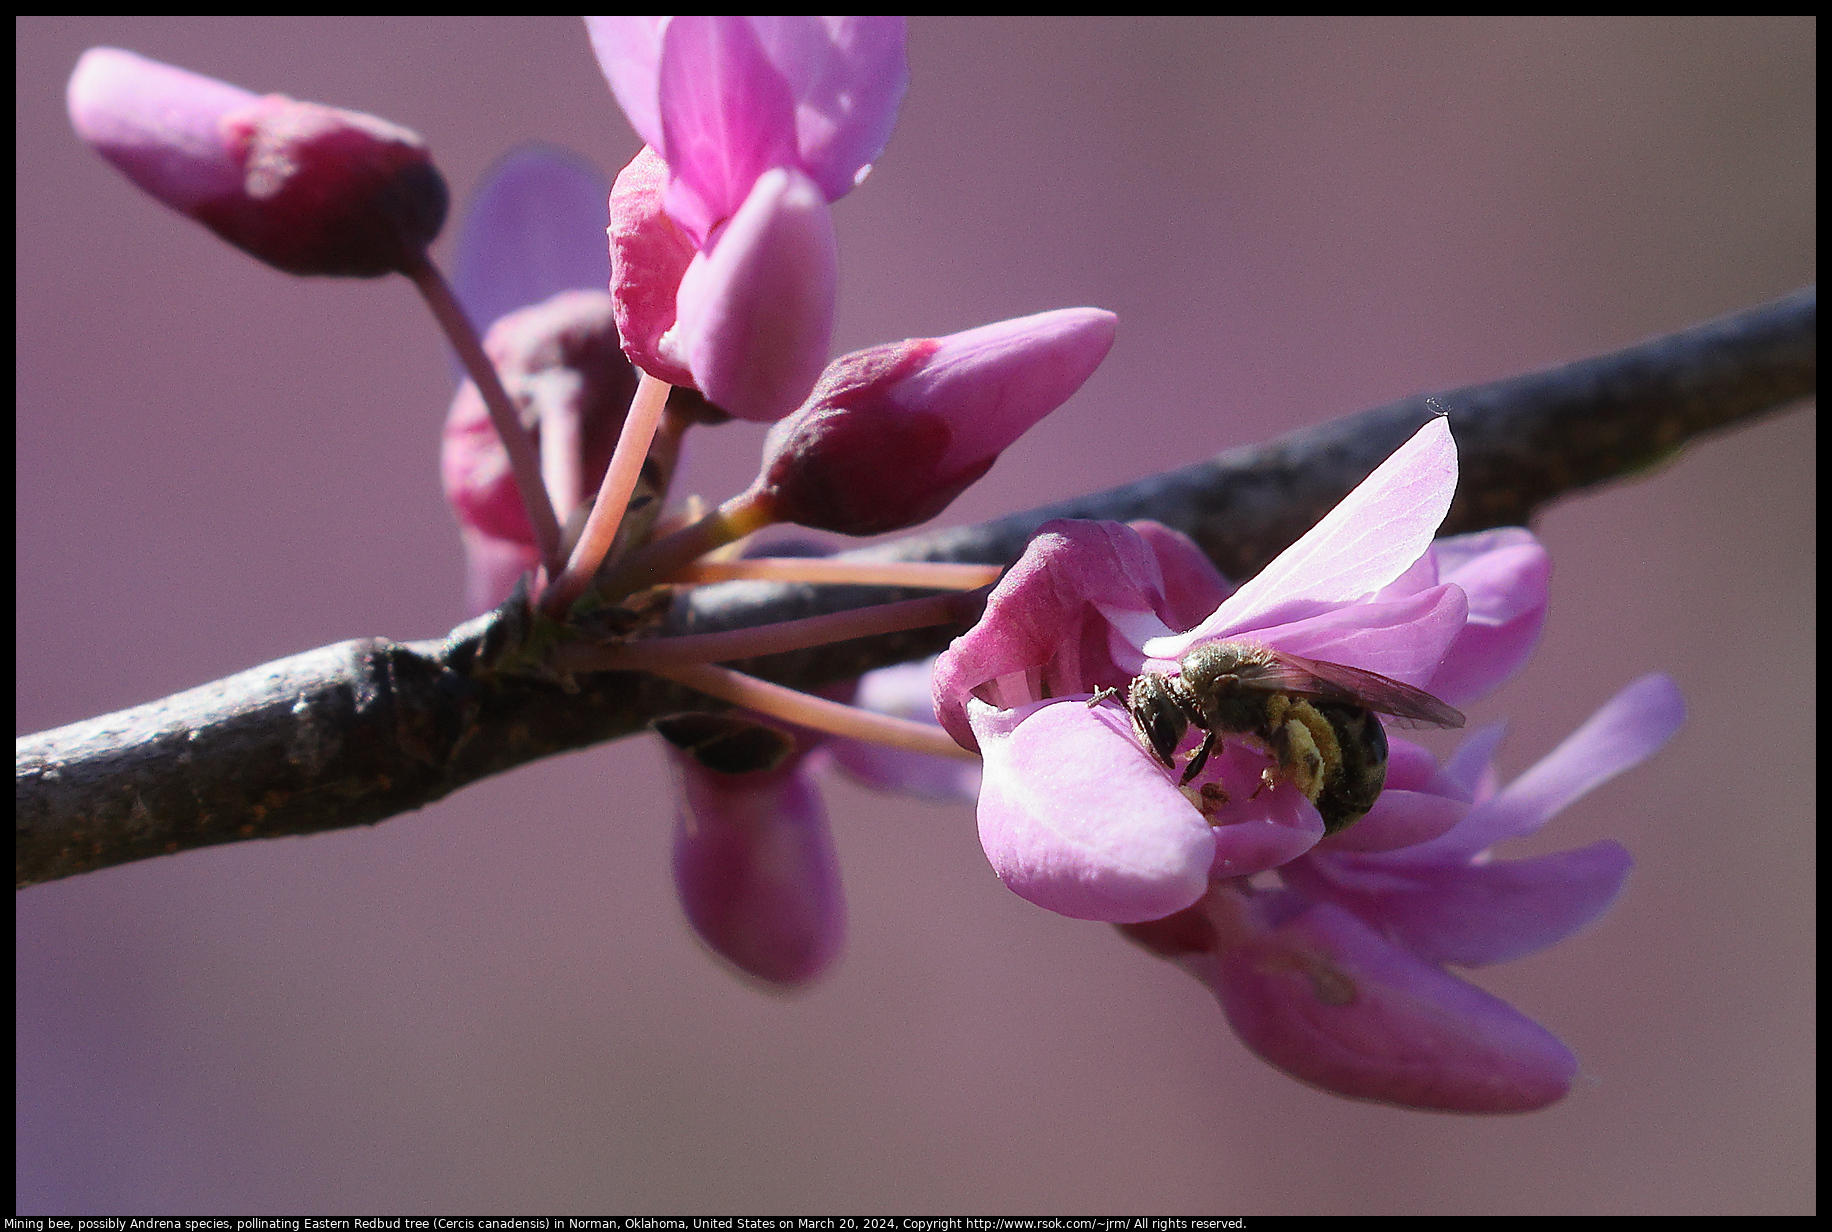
x,y
1327,1000
756,869
534,228
1477,914
904,691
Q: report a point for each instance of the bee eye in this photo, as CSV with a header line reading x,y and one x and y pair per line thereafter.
x,y
1165,725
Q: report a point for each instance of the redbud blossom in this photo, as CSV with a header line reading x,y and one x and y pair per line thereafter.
x,y
755,866
1075,814
306,188
754,861
760,123
892,434
1337,975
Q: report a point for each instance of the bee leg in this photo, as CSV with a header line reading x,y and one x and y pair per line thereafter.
x,y
1102,695
1196,763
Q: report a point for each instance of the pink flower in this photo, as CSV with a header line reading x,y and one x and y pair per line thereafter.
x,y
561,363
724,268
754,862
1337,976
306,188
1075,814
894,433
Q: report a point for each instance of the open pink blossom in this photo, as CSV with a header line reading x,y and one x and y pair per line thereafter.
x,y
724,268
307,188
1336,975
1075,814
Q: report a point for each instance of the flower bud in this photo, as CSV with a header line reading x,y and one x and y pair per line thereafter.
x,y
560,362
892,434
755,867
306,188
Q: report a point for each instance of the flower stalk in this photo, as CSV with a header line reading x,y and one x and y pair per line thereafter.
x,y
831,570
806,710
658,561
783,636
600,530
524,458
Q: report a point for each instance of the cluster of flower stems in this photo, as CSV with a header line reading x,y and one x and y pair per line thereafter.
x,y
580,565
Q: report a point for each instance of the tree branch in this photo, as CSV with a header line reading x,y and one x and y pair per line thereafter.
x,y
351,734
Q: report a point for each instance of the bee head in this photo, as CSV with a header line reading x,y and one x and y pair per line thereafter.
x,y
1157,717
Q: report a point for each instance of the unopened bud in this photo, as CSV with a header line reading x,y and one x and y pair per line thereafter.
x,y
892,434
306,188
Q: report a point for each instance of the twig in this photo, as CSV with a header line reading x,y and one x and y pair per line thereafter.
x,y
351,734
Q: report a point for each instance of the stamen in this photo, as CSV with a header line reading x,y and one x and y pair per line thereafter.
x,y
657,653
817,712
523,461
613,495
837,571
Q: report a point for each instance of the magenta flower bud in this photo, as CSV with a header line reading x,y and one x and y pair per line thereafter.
x,y
756,870
306,188
893,434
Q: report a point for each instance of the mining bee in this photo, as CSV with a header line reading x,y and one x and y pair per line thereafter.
x,y
1316,719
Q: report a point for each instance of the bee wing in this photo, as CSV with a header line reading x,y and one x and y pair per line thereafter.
x,y
1351,686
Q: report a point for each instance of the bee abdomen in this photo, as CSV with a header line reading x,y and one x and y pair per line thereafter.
x,y
1349,793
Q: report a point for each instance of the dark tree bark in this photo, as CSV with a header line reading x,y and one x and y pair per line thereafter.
x,y
354,733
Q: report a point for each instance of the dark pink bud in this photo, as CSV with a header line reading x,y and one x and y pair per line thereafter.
x,y
306,188
894,433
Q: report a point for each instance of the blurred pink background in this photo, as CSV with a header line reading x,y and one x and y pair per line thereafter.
x,y
493,1005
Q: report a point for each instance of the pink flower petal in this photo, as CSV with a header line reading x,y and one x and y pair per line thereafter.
x,y
1193,586
629,52
848,76
1625,732
1373,536
756,869
1042,620
1404,639
755,316
158,124
992,383
1326,999
1477,914
1076,817
1507,584
649,257
727,118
